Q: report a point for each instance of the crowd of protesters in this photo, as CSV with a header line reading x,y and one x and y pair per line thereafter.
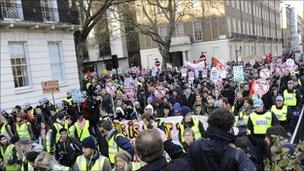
x,y
82,136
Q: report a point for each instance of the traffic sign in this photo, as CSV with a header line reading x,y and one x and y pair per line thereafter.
x,y
157,63
110,88
261,87
159,91
265,73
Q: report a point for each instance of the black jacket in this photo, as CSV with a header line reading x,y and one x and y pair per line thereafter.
x,y
67,152
214,153
180,161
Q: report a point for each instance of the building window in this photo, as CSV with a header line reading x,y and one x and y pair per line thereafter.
x,y
197,30
195,4
179,29
19,64
57,65
162,31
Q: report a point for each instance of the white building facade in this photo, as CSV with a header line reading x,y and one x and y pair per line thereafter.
x,y
36,48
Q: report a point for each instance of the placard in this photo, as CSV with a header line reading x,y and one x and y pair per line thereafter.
x,y
238,73
50,86
110,88
265,73
214,74
261,87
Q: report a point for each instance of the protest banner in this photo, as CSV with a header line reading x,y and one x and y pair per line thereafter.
x,y
131,128
205,73
184,72
159,92
195,66
238,73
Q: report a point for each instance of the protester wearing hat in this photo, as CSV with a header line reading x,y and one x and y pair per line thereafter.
x,y
91,159
67,149
123,162
25,146
281,111
291,96
258,123
59,123
177,109
29,112
189,122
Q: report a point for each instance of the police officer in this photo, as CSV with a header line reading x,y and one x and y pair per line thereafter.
x,y
91,159
116,141
23,127
291,96
189,122
258,123
69,99
280,110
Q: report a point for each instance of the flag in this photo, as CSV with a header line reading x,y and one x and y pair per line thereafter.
x,y
217,63
251,91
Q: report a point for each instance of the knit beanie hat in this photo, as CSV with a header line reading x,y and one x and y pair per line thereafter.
x,y
277,131
185,110
60,115
124,156
89,142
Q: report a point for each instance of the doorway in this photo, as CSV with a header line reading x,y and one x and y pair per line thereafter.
x,y
176,59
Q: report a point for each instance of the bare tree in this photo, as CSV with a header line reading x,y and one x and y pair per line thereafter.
x,y
150,14
91,13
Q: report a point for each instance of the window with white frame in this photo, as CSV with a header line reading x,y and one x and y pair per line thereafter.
x,y
162,31
57,65
197,30
19,64
195,4
179,29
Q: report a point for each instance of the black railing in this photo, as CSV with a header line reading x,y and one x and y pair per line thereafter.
x,y
35,13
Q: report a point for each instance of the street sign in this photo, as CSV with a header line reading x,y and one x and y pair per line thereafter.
x,y
214,74
129,90
265,73
261,87
50,86
157,63
110,88
159,91
238,73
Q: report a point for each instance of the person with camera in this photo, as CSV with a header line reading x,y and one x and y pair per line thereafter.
x,y
67,149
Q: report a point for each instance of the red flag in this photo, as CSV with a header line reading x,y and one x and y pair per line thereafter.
x,y
251,91
216,63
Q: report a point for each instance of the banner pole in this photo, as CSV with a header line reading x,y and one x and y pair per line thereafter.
x,y
297,127
53,98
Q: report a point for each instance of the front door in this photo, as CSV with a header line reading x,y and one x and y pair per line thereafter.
x,y
176,59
